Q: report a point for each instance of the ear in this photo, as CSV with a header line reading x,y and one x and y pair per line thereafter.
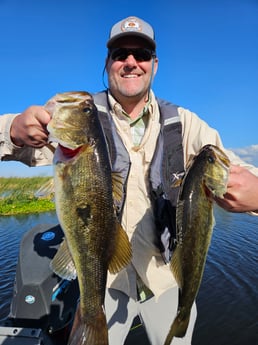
x,y
107,60
155,67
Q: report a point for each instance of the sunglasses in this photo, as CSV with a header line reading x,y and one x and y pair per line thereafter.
x,y
140,54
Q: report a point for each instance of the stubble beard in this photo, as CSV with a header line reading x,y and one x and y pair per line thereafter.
x,y
133,93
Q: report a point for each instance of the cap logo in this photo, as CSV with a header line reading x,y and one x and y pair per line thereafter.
x,y
131,25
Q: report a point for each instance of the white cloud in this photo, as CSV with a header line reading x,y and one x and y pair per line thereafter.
x,y
249,153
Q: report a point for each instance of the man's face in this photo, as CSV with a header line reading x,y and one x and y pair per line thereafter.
x,y
129,75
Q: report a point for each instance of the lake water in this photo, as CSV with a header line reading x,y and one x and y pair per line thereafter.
x,y
228,298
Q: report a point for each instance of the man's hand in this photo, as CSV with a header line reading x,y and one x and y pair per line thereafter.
x,y
30,127
242,191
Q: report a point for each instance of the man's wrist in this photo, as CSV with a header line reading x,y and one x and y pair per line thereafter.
x,y
13,137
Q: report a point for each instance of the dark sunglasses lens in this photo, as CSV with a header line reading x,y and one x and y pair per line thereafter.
x,y
142,54
121,54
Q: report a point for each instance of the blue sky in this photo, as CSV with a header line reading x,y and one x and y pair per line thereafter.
x,y
207,49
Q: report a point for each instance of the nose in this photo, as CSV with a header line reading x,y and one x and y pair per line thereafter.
x,y
130,60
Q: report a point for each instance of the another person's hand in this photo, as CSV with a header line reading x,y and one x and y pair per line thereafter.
x,y
30,127
242,191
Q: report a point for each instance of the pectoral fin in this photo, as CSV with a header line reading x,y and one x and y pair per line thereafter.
x,y
117,187
122,252
62,263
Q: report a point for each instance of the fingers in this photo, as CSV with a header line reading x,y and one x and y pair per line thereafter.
x,y
235,173
242,191
30,127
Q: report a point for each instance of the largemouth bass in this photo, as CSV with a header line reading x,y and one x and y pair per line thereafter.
x,y
94,240
206,177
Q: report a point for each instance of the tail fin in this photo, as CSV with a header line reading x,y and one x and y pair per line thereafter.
x,y
88,333
178,329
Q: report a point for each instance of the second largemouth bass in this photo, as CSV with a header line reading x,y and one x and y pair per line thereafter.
x,y
205,178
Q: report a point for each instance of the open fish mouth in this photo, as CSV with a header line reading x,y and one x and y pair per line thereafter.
x,y
70,114
216,178
72,97
220,188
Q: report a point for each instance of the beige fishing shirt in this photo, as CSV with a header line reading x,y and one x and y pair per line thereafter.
x,y
137,217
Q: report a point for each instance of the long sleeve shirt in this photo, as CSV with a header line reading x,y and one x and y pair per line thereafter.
x,y
137,219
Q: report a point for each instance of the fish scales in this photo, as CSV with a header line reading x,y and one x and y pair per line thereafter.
x,y
205,178
85,206
94,240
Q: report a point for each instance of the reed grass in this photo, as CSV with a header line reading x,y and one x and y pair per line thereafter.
x,y
18,196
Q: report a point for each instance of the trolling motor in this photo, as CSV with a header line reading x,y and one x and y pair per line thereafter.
x,y
43,305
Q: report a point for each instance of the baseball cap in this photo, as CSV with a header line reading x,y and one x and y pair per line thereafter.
x,y
132,26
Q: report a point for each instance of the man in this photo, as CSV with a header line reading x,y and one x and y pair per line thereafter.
x,y
135,120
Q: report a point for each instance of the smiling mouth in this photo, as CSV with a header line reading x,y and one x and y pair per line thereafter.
x,y
130,76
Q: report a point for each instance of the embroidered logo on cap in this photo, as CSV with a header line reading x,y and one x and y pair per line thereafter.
x,y
131,25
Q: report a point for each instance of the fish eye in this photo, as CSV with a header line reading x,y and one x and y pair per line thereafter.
x,y
211,159
87,110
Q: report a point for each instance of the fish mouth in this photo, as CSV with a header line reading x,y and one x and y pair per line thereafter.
x,y
225,163
59,124
73,97
67,98
222,158
217,180
55,127
217,185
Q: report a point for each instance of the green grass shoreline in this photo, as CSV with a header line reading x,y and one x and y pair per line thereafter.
x,y
17,196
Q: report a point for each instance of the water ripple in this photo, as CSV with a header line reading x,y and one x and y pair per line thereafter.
x,y
228,299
